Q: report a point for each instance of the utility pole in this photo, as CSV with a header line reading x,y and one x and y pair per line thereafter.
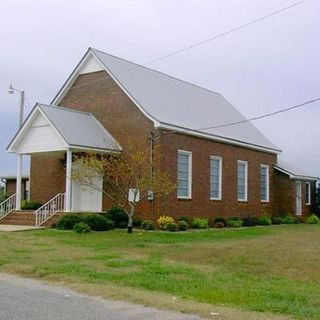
x,y
12,90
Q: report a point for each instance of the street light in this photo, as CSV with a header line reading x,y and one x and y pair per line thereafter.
x,y
12,90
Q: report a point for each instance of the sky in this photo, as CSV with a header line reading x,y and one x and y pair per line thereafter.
x,y
268,66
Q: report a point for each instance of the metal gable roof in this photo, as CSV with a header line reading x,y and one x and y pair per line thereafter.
x,y
171,101
293,171
80,129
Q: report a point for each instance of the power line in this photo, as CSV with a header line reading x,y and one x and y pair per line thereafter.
x,y
225,33
262,116
218,36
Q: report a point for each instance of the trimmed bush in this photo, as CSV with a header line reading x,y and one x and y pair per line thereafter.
x,y
287,219
200,223
137,222
172,226
218,221
264,221
98,222
313,219
163,222
276,220
147,225
235,222
118,216
68,221
123,225
30,205
81,227
186,219
183,225
249,221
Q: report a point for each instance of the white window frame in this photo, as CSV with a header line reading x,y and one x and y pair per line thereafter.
x,y
189,153
245,181
308,187
268,183
220,177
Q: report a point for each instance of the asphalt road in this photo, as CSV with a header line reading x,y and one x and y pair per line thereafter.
x,y
22,299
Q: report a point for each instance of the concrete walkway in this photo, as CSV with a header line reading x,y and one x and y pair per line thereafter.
x,y
12,228
33,300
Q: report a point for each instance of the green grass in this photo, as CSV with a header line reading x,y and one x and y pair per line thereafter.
x,y
265,269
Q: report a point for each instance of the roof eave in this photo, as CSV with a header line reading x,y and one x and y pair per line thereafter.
x,y
295,176
196,133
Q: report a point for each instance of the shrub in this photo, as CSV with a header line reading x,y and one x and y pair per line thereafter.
x,y
218,221
147,225
163,222
183,225
30,205
276,220
118,216
137,222
313,219
249,221
172,226
200,223
185,219
81,227
235,222
287,219
68,221
123,225
264,221
98,222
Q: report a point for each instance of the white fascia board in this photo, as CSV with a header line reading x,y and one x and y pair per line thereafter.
x,y
75,148
155,121
294,176
19,134
71,79
213,137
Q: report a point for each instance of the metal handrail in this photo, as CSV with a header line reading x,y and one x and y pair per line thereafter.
x,y
7,206
49,209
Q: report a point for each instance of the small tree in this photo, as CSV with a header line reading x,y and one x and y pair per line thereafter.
x,y
129,177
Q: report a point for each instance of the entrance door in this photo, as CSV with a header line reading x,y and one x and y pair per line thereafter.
x,y
87,198
298,198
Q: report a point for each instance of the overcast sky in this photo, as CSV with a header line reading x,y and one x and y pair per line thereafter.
x,y
270,65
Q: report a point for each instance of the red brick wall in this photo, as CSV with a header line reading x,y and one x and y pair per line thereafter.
x,y
11,187
47,176
200,204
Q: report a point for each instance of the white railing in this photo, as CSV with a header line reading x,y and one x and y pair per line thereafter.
x,y
49,209
7,206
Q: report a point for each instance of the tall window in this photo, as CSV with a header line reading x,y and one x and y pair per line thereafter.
x,y
242,180
215,178
264,183
308,193
184,174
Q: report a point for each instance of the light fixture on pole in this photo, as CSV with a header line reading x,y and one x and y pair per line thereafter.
x,y
12,90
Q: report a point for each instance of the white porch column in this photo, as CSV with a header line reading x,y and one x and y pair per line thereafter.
x,y
18,182
68,181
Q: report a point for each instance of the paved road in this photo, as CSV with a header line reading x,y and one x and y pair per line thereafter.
x,y
22,299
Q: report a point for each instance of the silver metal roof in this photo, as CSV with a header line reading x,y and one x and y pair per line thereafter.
x,y
80,129
293,171
171,101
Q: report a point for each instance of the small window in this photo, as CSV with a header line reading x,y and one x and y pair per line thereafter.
x,y
264,183
308,193
242,180
184,174
215,178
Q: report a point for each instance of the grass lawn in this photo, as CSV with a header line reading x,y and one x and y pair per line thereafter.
x,y
254,273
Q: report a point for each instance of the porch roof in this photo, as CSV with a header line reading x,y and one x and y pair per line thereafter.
x,y
75,129
294,172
